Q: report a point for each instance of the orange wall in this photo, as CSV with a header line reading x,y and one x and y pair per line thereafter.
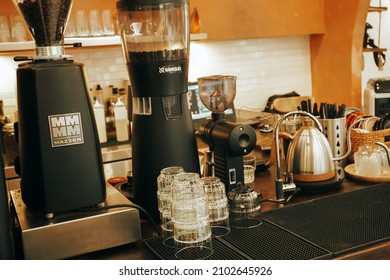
x,y
232,19
336,55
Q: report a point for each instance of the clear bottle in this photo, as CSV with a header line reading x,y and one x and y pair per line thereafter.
x,y
100,120
99,94
110,121
121,121
123,95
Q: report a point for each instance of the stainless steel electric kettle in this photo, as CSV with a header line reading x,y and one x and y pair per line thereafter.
x,y
309,157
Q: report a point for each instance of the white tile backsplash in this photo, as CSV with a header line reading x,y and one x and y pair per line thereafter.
x,y
263,67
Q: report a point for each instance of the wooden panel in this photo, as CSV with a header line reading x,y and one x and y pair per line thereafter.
x,y
94,5
7,8
232,19
336,57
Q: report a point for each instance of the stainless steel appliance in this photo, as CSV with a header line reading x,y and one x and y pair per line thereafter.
x,y
74,233
60,158
155,40
377,97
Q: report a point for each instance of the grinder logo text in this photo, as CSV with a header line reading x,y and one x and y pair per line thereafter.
x,y
170,69
66,129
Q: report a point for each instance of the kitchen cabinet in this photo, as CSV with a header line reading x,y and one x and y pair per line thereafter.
x,y
232,19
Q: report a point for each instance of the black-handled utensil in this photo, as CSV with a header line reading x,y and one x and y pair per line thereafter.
x,y
304,105
315,110
341,112
309,108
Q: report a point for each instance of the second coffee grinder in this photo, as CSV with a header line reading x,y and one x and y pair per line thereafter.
x,y
155,38
228,141
60,158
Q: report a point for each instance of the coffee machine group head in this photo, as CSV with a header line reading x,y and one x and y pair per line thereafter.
x,y
228,141
60,158
155,39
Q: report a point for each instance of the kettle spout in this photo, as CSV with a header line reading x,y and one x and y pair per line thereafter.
x,y
383,145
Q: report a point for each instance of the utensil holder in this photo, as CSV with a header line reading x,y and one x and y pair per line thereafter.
x,y
335,131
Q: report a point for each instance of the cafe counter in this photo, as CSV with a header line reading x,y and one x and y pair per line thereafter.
x,y
363,198
343,220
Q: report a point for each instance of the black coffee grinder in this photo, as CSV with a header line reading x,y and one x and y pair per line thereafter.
x,y
155,39
228,141
60,158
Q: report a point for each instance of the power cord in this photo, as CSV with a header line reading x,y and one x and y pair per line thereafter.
x,y
139,208
284,201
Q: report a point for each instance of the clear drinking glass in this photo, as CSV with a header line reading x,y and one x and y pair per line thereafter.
x,y
249,174
190,217
5,34
108,24
244,207
70,29
18,31
95,23
368,161
249,168
164,199
82,27
218,206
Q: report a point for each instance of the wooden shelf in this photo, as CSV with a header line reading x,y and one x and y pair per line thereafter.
x,y
374,50
85,41
198,36
377,9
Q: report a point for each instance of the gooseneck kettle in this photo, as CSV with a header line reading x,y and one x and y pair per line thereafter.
x,y
309,157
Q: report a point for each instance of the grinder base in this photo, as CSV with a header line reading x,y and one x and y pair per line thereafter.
x,y
319,187
75,232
